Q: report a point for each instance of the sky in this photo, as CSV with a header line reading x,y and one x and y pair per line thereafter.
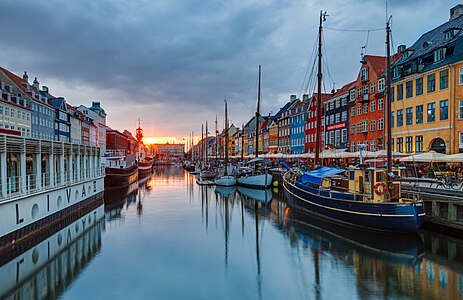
x,y
171,63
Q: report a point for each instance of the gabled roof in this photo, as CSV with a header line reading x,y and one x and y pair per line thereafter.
x,y
18,81
344,89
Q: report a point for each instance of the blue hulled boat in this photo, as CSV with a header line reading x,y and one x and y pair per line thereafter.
x,y
359,199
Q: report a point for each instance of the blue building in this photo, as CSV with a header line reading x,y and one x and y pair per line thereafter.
x,y
62,121
297,130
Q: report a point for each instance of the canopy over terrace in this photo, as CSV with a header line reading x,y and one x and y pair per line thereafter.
x,y
455,157
430,156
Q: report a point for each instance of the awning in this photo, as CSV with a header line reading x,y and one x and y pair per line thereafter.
x,y
316,176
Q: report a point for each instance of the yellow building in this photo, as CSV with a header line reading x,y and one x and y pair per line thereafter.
x,y
427,110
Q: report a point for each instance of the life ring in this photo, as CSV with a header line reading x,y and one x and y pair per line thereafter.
x,y
381,191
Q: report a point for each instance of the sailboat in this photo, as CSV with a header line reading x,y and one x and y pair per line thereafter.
x,y
368,198
206,172
256,179
226,180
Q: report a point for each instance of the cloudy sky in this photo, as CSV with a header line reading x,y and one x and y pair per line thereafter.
x,y
172,62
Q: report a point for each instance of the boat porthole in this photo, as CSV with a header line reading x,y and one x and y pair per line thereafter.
x,y
35,211
60,239
76,196
77,227
35,255
59,202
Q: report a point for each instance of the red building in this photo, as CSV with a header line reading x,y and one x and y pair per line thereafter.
x,y
366,115
310,135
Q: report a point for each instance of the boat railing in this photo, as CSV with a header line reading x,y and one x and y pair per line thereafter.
x,y
18,186
114,153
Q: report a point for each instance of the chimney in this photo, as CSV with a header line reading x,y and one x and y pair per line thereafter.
x,y
45,89
292,98
25,77
96,104
456,11
401,49
36,84
305,97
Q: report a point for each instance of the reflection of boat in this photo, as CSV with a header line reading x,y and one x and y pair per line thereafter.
x,y
143,180
117,198
42,267
225,191
260,195
387,247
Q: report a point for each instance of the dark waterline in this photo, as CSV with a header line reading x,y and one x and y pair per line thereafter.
x,y
172,239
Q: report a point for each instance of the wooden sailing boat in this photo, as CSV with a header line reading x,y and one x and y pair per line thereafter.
x,y
256,179
226,180
206,172
368,197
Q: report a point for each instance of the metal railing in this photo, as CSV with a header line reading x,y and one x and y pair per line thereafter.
x,y
17,186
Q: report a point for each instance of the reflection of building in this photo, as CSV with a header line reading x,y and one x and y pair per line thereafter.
x,y
168,150
47,268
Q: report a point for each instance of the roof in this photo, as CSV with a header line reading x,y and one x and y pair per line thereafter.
x,y
345,89
18,81
316,176
435,39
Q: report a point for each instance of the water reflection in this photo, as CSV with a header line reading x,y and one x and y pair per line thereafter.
x,y
46,268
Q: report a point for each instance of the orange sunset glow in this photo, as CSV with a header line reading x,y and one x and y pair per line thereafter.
x,y
165,139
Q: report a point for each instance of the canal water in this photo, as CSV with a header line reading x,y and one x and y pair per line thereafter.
x,y
168,238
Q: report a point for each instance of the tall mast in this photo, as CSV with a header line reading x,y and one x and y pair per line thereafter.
x,y
319,92
202,145
242,142
216,141
193,145
387,111
257,117
205,148
226,139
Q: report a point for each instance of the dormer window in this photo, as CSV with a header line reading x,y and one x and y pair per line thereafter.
x,y
439,54
395,72
451,33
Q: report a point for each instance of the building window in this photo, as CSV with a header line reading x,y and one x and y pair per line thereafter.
x,y
344,116
373,125
380,124
400,144
419,143
352,148
409,89
409,116
392,119
337,118
380,104
373,145
364,74
431,114
400,117
419,86
352,128
372,87
460,109
352,111
373,106
381,85
365,108
359,110
408,144
419,114
444,79
359,92
444,110
460,73
352,95
392,94
400,92
431,83
439,54
343,135
461,141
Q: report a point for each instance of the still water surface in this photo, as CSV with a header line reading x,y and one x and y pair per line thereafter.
x,y
172,239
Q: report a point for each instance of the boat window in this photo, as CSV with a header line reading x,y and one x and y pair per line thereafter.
x,y
367,176
379,176
351,175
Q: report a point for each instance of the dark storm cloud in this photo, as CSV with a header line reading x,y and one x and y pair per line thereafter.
x,y
173,62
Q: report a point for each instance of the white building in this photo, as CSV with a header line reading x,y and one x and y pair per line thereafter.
x,y
97,113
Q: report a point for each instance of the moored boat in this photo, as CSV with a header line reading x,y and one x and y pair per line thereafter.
x,y
121,170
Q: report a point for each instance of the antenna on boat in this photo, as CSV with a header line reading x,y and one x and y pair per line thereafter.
x,y
323,16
